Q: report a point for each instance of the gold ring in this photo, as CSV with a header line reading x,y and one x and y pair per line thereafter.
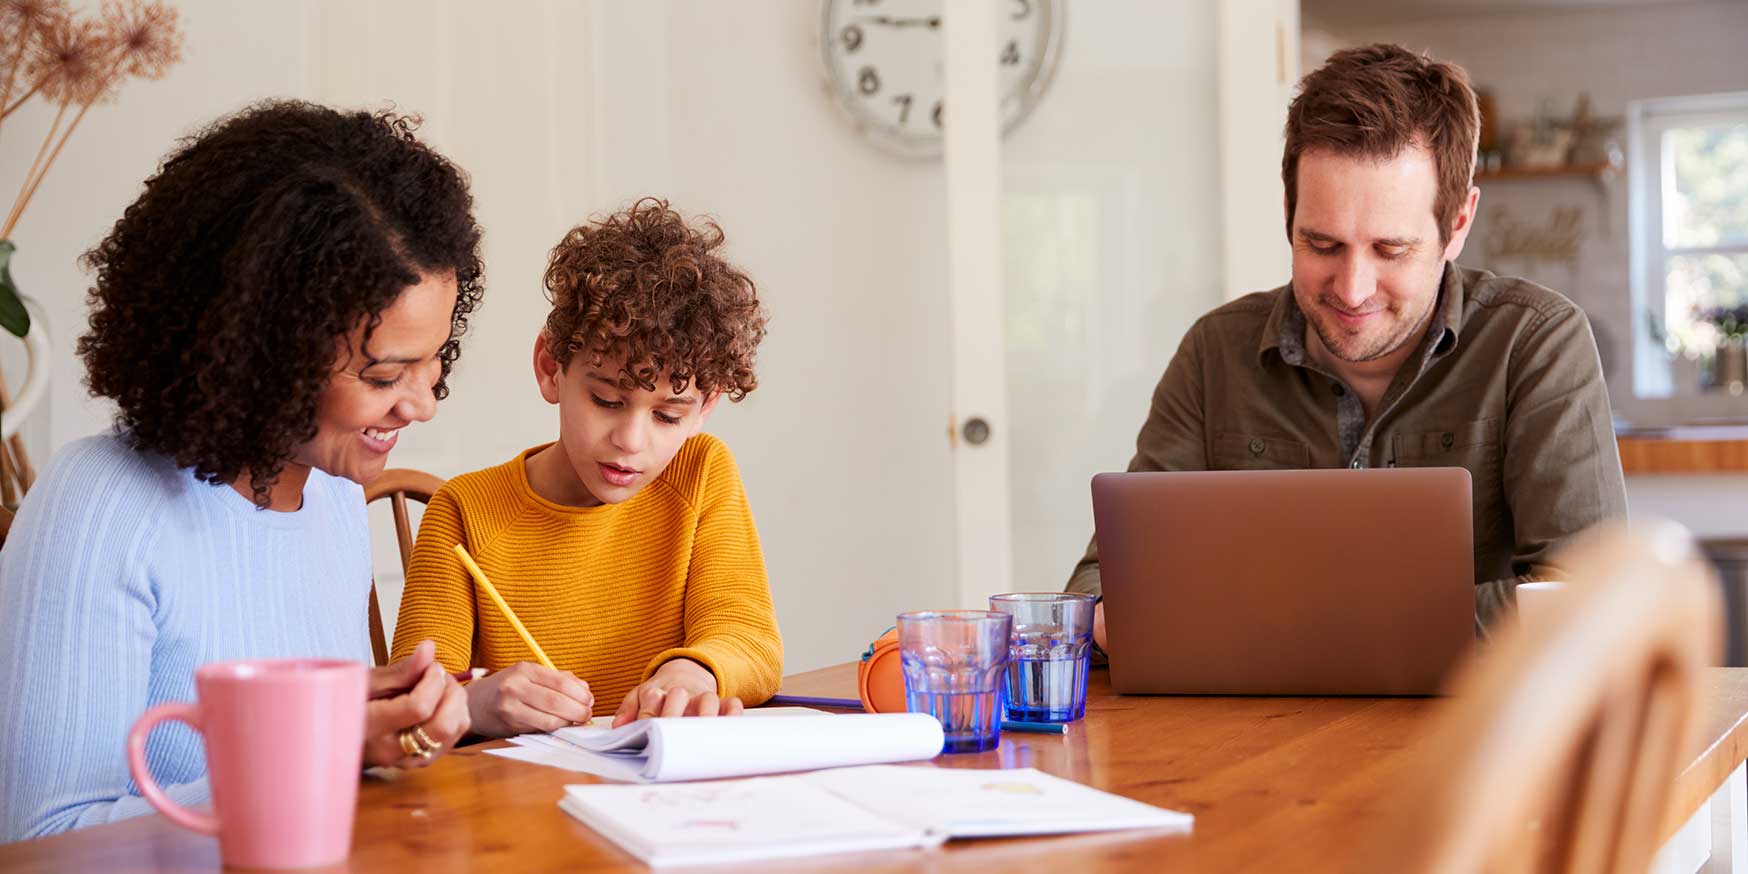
x,y
410,744
425,739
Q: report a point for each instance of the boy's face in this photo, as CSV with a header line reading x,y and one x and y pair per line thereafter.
x,y
617,441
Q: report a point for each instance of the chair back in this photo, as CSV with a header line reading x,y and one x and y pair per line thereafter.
x,y
398,485
5,524
1559,748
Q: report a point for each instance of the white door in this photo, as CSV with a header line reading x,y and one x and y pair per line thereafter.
x,y
1141,192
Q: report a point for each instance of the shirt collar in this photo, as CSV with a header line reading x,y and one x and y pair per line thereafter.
x,y
1284,331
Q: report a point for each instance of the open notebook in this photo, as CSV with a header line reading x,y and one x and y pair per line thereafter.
x,y
879,807
767,741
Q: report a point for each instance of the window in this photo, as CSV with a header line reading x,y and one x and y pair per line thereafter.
x,y
1689,203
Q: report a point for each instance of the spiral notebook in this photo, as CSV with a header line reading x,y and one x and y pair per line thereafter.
x,y
879,807
670,749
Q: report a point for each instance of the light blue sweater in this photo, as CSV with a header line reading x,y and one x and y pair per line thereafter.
x,y
121,575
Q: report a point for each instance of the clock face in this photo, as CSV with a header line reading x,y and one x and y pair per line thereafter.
x,y
885,57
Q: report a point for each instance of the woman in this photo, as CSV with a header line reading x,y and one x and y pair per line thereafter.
x,y
287,293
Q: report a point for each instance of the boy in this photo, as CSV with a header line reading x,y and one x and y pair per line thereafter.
x,y
627,547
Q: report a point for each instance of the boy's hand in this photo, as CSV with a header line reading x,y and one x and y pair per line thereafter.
x,y
526,697
1099,626
681,687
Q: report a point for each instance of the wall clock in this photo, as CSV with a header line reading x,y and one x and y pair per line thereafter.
x,y
883,60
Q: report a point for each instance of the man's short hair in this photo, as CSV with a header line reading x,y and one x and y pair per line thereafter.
x,y
1373,102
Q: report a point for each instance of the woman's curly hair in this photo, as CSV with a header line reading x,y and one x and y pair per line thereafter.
x,y
645,284
223,294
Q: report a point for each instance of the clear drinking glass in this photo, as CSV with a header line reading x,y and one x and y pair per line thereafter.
x,y
954,662
1049,652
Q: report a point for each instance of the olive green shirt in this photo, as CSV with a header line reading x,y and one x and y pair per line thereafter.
x,y
1505,383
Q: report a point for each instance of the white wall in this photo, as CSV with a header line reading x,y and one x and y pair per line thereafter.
x,y
559,110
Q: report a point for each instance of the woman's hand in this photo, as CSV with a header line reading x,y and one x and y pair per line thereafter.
x,y
528,697
414,692
681,687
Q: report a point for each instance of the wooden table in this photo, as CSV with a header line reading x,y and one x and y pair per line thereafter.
x,y
1276,784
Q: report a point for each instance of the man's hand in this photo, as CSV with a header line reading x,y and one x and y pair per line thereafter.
x,y
414,692
681,687
526,697
1099,626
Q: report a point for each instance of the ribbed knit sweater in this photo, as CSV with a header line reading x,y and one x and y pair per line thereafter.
x,y
120,576
610,592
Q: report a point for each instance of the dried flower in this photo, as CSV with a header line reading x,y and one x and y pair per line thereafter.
x,y
72,61
20,20
22,16
145,35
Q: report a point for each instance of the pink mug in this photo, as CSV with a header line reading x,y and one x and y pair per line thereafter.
x,y
284,748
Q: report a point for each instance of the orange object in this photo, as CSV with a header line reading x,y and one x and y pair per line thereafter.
x,y
879,678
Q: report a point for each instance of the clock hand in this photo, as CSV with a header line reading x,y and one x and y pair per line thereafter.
x,y
932,22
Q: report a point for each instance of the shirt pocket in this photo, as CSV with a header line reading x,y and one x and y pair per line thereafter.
x,y
1476,447
1234,451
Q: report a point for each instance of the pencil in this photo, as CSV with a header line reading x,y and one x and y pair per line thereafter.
x,y
479,576
1039,727
809,701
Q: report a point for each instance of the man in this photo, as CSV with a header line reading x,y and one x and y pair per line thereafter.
x,y
1382,352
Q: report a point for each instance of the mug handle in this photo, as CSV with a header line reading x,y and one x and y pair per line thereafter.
x,y
206,824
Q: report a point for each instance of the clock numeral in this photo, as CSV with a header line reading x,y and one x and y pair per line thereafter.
x,y
852,37
868,82
937,116
1010,56
1024,9
903,101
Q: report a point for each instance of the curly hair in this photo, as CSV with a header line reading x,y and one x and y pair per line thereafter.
x,y
645,284
224,293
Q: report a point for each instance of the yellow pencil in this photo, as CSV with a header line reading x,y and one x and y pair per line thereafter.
x,y
479,576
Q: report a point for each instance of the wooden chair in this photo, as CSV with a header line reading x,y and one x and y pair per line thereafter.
x,y
5,524
1560,746
398,485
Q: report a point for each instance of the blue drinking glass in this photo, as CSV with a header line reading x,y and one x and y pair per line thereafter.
x,y
954,662
1049,652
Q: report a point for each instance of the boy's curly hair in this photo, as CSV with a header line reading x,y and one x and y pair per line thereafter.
x,y
223,294
645,284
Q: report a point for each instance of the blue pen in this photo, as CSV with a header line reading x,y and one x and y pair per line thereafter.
x,y
1039,727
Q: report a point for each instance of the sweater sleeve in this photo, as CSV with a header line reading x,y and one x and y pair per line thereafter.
x,y
731,624
78,627
438,601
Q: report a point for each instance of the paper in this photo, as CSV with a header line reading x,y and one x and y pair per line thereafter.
x,y
733,821
978,803
848,810
671,749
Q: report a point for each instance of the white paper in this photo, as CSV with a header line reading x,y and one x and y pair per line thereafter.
x,y
671,749
977,803
848,810
733,821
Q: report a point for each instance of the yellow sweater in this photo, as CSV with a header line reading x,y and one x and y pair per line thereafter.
x,y
609,592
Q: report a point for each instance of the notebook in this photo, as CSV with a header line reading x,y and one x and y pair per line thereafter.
x,y
670,749
880,807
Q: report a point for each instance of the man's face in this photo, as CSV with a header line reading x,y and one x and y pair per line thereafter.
x,y
1366,253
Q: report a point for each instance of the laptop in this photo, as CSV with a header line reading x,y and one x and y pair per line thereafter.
x,y
1286,582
